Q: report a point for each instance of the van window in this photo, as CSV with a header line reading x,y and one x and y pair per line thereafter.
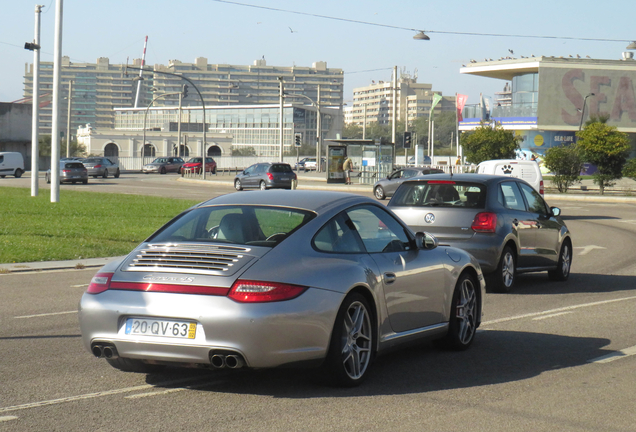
x,y
1,158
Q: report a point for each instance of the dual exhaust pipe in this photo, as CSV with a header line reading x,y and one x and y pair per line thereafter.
x,y
232,361
107,351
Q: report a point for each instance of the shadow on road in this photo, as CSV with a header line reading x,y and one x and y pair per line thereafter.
x,y
538,283
421,368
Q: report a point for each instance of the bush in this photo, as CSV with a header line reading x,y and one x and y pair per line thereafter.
x,y
565,164
629,170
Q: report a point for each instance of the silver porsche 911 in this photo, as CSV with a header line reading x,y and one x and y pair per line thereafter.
x,y
277,278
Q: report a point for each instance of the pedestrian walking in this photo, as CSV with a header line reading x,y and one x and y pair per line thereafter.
x,y
347,166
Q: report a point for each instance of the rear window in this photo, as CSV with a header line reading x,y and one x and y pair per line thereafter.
x,y
281,168
71,165
243,225
440,194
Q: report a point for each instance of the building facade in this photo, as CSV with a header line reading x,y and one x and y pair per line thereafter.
x,y
550,98
98,88
374,103
248,128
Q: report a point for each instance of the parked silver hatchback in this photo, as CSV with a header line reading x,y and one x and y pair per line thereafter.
x,y
501,221
101,167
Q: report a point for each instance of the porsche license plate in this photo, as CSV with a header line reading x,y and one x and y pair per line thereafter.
x,y
164,328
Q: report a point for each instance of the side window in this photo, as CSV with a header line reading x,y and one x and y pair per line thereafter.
x,y
535,202
250,170
379,231
510,197
396,175
338,235
409,173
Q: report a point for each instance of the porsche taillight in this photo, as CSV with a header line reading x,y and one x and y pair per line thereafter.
x,y
485,222
249,291
99,283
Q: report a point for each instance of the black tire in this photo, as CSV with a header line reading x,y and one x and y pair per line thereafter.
x,y
18,173
117,173
503,279
133,365
237,185
352,345
463,319
562,272
262,185
379,192
74,181
213,171
105,175
163,170
85,181
95,176
2,176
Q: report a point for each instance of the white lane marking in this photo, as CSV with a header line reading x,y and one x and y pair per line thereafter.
x,y
587,249
79,286
45,314
174,390
91,395
615,355
552,311
629,221
7,418
551,316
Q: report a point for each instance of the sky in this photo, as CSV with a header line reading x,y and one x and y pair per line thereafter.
x,y
236,34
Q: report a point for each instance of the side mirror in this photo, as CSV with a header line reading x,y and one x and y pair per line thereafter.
x,y
555,211
425,240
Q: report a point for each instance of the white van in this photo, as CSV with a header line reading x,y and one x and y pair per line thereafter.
x,y
11,163
523,169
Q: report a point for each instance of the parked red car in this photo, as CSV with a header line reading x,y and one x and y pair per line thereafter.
x,y
194,165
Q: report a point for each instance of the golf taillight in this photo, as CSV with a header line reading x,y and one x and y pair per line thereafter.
x,y
270,176
99,283
248,291
66,171
485,222
541,187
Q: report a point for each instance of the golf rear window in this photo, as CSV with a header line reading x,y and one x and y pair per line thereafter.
x,y
71,165
440,194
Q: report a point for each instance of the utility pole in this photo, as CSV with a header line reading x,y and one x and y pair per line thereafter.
x,y
55,127
35,125
281,119
68,119
318,134
179,127
394,110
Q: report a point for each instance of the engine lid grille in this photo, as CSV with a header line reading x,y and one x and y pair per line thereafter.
x,y
190,258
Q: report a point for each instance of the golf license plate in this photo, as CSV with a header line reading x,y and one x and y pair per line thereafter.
x,y
159,327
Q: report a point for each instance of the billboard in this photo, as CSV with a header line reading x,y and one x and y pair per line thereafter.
x,y
562,93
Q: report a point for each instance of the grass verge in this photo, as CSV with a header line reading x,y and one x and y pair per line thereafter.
x,y
81,225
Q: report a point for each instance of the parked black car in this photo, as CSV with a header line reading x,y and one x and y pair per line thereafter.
x,y
265,176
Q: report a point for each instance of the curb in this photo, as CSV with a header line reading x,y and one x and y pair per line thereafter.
x,y
54,265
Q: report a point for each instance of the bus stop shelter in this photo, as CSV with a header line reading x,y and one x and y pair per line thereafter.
x,y
371,159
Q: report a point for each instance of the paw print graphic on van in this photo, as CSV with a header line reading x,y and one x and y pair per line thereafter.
x,y
507,169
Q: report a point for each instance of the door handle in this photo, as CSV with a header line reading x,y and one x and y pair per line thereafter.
x,y
389,278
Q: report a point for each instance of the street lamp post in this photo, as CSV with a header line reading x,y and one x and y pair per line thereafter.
x,y
200,97
35,152
68,119
143,144
318,125
281,125
583,110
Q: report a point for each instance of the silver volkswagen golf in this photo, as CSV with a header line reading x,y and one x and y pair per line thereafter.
x,y
500,220
277,278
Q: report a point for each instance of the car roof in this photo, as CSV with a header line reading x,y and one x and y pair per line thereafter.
x,y
317,201
471,177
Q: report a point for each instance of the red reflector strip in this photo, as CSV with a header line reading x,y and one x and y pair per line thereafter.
x,y
441,182
167,288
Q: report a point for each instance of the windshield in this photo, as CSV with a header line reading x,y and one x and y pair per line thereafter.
x,y
195,160
440,194
242,225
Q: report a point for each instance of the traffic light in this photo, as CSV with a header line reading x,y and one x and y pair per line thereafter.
x,y
407,140
185,91
297,139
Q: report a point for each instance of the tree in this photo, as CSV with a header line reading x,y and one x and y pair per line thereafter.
x,y
44,146
629,170
352,131
247,151
488,142
605,147
565,163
